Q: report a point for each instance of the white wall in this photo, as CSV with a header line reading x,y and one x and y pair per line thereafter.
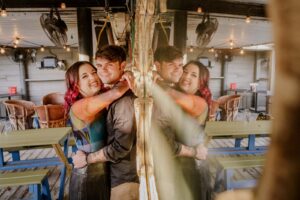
x,y
10,74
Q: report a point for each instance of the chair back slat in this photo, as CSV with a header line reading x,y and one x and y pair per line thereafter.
x,y
54,99
51,116
20,113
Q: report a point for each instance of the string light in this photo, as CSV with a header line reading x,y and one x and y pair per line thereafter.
x,y
68,48
231,43
191,49
15,45
199,10
63,5
2,50
211,50
17,40
248,19
42,48
3,10
242,52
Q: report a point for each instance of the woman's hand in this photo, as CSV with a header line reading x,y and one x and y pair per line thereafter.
x,y
128,76
156,77
120,88
79,159
201,152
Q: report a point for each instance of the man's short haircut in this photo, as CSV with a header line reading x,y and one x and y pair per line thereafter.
x,y
112,52
167,54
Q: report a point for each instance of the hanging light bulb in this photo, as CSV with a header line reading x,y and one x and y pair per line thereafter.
x,y
231,43
3,10
191,49
211,50
42,48
199,10
15,45
17,40
64,46
68,48
63,5
242,52
248,19
2,50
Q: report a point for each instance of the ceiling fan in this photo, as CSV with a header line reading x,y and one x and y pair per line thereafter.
x,y
54,27
205,30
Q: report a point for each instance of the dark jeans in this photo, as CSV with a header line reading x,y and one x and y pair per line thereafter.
x,y
90,183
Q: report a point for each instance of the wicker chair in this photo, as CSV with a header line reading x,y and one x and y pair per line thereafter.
x,y
51,116
213,110
54,99
229,105
20,113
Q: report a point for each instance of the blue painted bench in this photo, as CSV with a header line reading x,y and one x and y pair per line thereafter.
x,y
237,129
37,181
227,166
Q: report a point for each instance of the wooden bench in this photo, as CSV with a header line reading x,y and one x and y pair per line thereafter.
x,y
229,164
37,181
236,129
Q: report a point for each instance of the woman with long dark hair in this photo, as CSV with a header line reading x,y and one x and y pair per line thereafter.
x,y
86,107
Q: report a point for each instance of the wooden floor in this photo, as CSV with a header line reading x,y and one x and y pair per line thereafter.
x,y
12,193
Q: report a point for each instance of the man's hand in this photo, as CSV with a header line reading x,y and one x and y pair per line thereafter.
x,y
79,159
201,152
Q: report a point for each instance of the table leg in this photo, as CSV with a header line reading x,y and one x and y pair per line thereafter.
x,y
1,157
251,142
62,157
66,169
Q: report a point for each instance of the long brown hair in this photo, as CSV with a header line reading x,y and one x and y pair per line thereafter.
x,y
204,76
72,80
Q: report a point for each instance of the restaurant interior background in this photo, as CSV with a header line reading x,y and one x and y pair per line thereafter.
x,y
240,51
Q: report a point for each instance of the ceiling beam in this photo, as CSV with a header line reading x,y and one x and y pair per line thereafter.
x,y
212,6
219,6
56,3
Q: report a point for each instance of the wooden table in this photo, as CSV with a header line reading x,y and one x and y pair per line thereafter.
x,y
41,138
235,129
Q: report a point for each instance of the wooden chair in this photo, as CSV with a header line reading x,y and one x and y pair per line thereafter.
x,y
54,99
213,110
229,105
51,116
20,113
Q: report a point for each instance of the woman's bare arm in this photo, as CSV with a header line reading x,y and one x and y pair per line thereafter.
x,y
87,108
192,104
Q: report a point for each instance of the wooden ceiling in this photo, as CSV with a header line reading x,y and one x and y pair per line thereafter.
x,y
23,19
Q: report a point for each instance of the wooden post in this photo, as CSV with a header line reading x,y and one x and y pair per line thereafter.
x,y
23,68
281,177
180,30
85,38
224,71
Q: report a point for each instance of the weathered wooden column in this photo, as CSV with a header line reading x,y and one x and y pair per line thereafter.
x,y
281,176
143,62
280,180
85,36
